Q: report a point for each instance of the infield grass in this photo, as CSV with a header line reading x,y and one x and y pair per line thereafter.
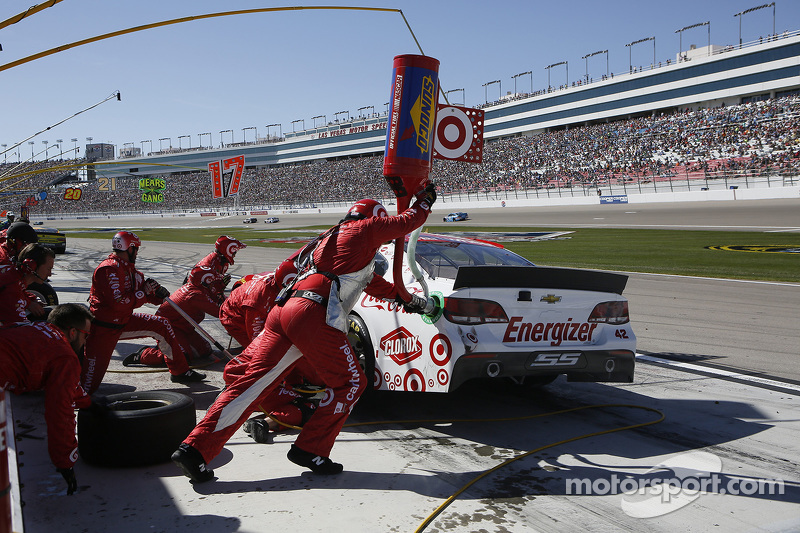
x,y
631,250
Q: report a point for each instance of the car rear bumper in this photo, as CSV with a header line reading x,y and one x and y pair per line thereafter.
x,y
579,365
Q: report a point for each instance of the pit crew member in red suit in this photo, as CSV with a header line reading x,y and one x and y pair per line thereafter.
x,y
244,312
200,296
313,319
217,261
117,289
34,263
44,356
14,239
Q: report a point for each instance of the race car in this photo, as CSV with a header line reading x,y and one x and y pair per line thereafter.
x,y
52,238
498,316
250,220
455,217
271,220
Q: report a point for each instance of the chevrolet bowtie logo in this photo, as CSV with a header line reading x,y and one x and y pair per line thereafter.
x,y
550,298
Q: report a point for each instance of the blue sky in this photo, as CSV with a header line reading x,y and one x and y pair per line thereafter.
x,y
246,71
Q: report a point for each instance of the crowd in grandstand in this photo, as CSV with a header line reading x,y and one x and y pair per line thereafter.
x,y
760,137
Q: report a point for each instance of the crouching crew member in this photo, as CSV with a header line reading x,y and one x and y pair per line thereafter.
x,y
117,289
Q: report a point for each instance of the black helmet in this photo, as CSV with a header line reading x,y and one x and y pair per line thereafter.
x,y
20,232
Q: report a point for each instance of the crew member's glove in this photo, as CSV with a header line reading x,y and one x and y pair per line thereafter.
x,y
69,477
150,286
417,305
427,196
225,280
162,292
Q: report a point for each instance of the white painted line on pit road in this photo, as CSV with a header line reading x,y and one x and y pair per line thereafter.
x,y
719,372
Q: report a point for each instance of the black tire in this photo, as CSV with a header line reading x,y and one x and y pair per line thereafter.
x,y
358,335
44,292
138,429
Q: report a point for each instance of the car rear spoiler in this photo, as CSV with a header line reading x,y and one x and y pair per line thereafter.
x,y
536,277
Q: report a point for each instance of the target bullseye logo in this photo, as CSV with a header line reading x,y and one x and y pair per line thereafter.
x,y
453,132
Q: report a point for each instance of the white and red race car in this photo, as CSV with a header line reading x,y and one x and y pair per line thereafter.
x,y
499,316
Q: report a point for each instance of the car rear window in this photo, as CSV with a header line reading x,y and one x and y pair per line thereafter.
x,y
444,258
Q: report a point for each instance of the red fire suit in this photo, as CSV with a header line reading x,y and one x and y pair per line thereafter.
x,y
244,312
13,297
196,302
36,356
118,289
348,253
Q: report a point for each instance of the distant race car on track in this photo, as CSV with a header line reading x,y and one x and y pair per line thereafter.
x,y
455,217
500,317
249,220
271,220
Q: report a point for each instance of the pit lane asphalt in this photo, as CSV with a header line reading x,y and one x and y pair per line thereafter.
x,y
396,474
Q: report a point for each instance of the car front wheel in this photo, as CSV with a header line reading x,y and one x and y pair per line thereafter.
x,y
359,339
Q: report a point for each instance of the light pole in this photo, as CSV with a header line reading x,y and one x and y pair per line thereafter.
x,y
586,58
151,147
60,142
75,146
335,115
387,108
31,143
200,139
131,150
184,137
515,76
164,139
548,67
360,109
280,130
244,137
485,90
222,142
5,155
630,47
45,149
463,97
772,5
680,35
323,117
299,120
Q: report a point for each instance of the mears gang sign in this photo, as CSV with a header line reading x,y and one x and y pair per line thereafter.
x,y
152,189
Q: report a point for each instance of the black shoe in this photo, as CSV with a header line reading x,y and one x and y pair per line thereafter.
x,y
258,428
317,463
135,358
190,376
191,462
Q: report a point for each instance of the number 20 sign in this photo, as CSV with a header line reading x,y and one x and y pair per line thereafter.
x,y
226,171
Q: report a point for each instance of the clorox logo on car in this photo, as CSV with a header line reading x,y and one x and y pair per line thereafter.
x,y
401,346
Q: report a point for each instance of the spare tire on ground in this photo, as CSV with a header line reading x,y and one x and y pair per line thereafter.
x,y
136,429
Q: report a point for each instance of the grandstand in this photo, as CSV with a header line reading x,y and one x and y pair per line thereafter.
x,y
716,117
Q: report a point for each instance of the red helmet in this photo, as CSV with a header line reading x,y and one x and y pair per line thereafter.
x,y
123,240
228,246
285,272
366,208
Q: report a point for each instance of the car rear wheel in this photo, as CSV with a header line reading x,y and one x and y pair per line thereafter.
x,y
358,335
